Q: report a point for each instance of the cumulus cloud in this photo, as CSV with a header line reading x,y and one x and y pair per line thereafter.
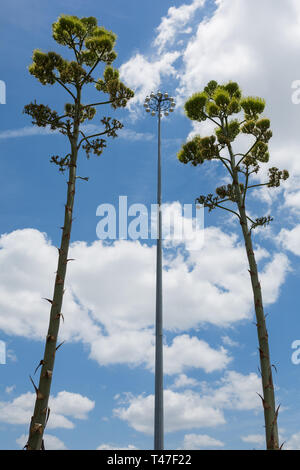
x,y
256,439
213,288
187,351
144,75
182,381
229,342
65,404
200,441
185,410
189,409
293,443
115,447
51,442
236,391
289,239
176,22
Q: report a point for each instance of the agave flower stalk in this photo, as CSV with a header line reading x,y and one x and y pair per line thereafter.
x,y
218,103
91,46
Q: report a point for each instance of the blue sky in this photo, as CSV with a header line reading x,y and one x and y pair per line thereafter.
x,y
102,391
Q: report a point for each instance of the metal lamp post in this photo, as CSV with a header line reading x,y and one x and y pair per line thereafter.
x,y
159,104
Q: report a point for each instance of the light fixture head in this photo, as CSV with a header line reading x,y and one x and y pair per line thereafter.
x,y
166,95
148,110
153,113
171,110
152,95
173,104
159,94
166,113
147,99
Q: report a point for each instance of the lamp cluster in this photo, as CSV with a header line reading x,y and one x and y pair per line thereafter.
x,y
159,103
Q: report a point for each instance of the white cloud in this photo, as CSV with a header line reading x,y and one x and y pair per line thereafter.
x,y
115,447
293,443
182,381
256,439
133,348
277,268
144,76
27,131
125,133
22,310
188,409
289,239
73,405
185,410
51,442
175,23
236,391
215,52
292,199
213,288
187,351
137,347
229,342
200,441
10,389
10,354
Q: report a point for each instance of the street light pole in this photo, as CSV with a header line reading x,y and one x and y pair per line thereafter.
x,y
159,386
159,103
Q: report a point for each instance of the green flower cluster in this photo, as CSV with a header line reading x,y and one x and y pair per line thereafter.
x,y
275,176
91,44
86,112
215,101
119,94
229,192
75,32
198,150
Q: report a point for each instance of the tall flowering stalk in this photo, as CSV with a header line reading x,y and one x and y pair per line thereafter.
x,y
218,103
90,46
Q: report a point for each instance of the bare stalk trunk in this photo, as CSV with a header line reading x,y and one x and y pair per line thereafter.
x,y
41,409
268,398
